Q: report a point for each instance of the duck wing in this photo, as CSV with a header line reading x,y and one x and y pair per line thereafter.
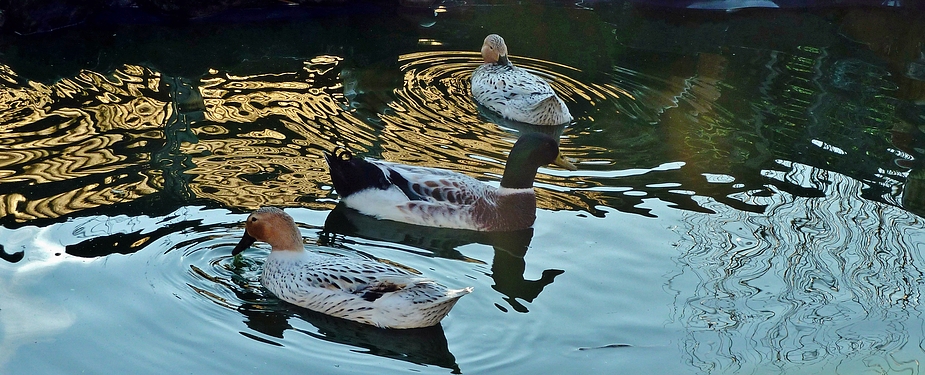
x,y
351,274
371,280
434,185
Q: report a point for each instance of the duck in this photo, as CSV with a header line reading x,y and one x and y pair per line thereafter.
x,y
353,288
512,92
436,197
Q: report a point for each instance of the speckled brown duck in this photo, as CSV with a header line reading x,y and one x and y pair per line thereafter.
x,y
353,288
441,198
512,92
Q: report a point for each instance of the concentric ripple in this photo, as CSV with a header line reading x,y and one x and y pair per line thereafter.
x,y
200,269
180,265
445,76
432,119
433,113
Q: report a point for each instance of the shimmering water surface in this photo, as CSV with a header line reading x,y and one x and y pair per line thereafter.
x,y
748,197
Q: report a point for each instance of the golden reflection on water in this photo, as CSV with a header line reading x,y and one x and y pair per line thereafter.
x,y
245,141
82,128
261,141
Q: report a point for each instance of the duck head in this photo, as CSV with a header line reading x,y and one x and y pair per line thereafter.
x,y
494,50
273,226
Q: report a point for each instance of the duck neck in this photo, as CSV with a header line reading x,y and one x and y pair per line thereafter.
x,y
293,242
518,177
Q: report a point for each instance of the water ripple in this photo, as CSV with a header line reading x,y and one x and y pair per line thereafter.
x,y
233,283
811,278
248,140
433,113
260,141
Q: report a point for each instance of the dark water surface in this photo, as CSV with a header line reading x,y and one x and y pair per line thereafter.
x,y
748,197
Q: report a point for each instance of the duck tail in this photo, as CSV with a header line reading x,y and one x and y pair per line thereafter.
x,y
443,306
451,296
553,111
457,293
350,174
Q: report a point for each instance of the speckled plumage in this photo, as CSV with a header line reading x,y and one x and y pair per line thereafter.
x,y
441,198
515,93
353,288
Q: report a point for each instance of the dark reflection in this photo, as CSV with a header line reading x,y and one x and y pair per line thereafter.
x,y
730,102
507,267
266,314
911,140
901,71
422,346
126,243
914,192
437,242
12,258
369,89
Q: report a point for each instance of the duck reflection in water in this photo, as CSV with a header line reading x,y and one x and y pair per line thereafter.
x,y
507,267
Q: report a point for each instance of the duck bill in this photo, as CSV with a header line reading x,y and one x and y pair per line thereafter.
x,y
563,162
242,245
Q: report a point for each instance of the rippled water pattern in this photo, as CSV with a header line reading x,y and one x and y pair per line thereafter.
x,y
809,280
744,203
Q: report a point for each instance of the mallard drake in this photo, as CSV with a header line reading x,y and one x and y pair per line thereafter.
x,y
440,198
353,288
513,92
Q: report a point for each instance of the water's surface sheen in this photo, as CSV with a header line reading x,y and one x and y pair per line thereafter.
x,y
748,197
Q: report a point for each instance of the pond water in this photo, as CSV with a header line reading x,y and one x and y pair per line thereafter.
x,y
747,199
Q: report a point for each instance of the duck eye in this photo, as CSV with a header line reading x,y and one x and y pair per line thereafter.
x,y
253,219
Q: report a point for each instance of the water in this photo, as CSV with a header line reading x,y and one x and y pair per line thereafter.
x,y
747,199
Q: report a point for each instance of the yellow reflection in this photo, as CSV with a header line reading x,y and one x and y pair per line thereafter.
x,y
429,42
72,129
97,139
93,195
263,139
